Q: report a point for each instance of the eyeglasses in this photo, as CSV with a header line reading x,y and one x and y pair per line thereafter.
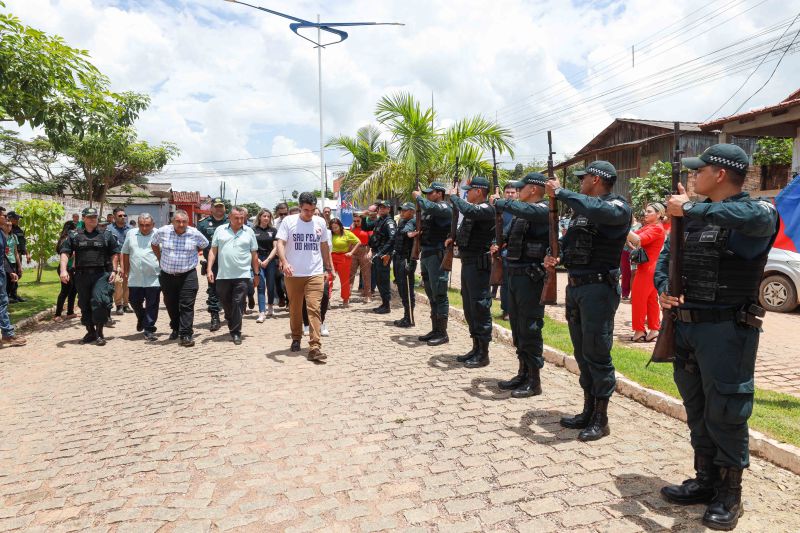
x,y
122,215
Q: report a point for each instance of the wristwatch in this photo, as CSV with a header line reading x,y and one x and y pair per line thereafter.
x,y
687,206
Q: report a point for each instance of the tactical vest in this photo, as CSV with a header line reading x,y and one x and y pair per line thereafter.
x,y
714,274
402,244
379,238
585,248
434,232
474,236
527,243
90,251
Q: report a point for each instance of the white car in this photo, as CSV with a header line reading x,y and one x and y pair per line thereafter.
x,y
781,281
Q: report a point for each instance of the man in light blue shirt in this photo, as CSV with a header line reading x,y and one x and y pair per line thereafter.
x,y
140,269
120,229
235,251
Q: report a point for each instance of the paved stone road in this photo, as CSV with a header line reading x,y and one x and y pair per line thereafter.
x,y
777,366
386,435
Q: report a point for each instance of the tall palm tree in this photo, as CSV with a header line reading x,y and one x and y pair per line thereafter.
x,y
418,147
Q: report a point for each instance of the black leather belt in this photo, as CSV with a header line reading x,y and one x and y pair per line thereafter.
x,y
704,315
589,279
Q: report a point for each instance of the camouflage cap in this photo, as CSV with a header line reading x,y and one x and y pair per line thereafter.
x,y
90,212
720,155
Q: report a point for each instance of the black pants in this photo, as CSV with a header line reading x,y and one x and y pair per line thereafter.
x,y
323,306
404,270
526,315
180,293
144,301
67,294
382,278
232,294
476,296
95,296
12,286
212,298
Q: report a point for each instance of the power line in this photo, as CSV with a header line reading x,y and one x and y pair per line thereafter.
x,y
250,158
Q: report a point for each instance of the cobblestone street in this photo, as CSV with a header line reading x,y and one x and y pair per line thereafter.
x,y
386,435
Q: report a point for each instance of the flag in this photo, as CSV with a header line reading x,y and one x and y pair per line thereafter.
x,y
788,204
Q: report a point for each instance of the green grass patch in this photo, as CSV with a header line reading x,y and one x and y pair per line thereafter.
x,y
38,296
774,414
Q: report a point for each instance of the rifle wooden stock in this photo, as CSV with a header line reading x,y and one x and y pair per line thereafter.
x,y
447,260
496,275
418,227
664,350
550,289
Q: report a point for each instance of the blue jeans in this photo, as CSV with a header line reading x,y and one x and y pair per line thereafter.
x,y
5,321
266,284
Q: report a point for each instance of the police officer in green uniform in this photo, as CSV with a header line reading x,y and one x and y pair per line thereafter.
x,y
381,242
717,325
96,264
405,267
207,227
474,238
526,244
435,225
591,251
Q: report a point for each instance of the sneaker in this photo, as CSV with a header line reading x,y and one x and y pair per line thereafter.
x,y
187,341
315,354
120,310
305,331
324,330
260,318
16,340
270,312
150,336
127,309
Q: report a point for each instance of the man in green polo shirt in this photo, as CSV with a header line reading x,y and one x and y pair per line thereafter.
x,y
234,251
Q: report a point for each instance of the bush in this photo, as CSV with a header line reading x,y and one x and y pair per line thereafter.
x,y
651,188
42,222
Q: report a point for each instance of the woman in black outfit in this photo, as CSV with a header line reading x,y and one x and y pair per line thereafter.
x,y
267,257
68,290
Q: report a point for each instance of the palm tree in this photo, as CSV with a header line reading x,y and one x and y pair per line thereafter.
x,y
418,147
367,150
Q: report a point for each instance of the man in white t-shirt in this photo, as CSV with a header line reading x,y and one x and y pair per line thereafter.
x,y
305,256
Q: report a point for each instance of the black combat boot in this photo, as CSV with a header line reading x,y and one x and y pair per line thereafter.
x,y
516,381
384,308
101,340
598,425
441,332
532,386
481,357
581,420
404,322
701,489
215,323
432,333
726,507
90,336
469,354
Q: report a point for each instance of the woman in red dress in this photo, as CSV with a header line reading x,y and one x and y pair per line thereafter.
x,y
644,297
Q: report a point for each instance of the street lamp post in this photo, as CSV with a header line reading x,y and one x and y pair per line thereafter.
x,y
329,27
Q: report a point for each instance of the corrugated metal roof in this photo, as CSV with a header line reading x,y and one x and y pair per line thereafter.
x,y
666,124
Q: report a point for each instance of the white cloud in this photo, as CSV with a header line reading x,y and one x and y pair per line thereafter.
x,y
229,82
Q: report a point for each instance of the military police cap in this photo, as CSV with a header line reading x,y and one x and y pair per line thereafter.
x,y
604,169
533,178
435,186
408,205
13,215
720,155
217,201
478,182
90,212
382,203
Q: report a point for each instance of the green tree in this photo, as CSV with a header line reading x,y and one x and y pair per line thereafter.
x,y
252,208
46,83
773,151
42,222
653,187
416,145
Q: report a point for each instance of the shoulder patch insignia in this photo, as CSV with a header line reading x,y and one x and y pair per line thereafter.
x,y
766,205
618,203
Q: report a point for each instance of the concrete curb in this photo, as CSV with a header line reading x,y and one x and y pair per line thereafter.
x,y
31,321
779,453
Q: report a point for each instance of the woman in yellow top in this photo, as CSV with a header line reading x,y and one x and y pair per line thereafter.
x,y
344,244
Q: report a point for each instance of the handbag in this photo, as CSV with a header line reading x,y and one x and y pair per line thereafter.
x,y
639,256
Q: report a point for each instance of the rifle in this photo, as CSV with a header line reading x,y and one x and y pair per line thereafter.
x,y
550,289
418,228
496,276
664,350
447,260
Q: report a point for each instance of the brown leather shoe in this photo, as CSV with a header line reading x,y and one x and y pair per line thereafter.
x,y
315,354
16,340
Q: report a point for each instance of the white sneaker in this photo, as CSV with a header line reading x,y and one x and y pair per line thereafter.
x,y
270,312
305,331
260,318
324,330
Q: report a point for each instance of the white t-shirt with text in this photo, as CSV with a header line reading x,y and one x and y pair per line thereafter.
x,y
303,244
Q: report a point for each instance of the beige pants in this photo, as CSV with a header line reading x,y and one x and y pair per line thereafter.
x,y
308,288
362,258
121,291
